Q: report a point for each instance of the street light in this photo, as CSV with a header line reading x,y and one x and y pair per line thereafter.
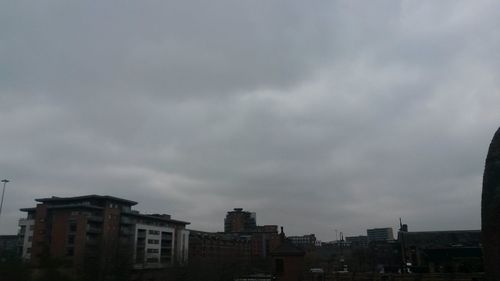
x,y
5,181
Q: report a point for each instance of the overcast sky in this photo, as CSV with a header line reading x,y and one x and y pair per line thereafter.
x,y
316,115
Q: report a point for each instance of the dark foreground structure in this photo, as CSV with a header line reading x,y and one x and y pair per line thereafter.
x,y
490,211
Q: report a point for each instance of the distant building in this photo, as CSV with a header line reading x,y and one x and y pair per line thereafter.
x,y
240,221
304,241
8,245
442,251
92,228
243,224
386,256
357,241
380,234
218,247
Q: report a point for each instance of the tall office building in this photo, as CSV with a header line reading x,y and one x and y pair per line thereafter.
x,y
92,228
240,221
380,234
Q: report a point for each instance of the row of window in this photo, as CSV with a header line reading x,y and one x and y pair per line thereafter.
x,y
154,260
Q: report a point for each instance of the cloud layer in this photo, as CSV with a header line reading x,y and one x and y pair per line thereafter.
x,y
318,116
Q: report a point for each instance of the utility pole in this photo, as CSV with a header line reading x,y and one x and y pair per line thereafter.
x,y
5,181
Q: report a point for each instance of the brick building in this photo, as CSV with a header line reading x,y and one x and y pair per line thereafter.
x,y
244,225
265,239
93,228
287,260
218,246
240,221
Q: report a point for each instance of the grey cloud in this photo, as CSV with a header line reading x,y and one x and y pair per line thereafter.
x,y
317,116
162,48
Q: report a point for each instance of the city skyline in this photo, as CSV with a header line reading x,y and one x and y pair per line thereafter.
x,y
317,116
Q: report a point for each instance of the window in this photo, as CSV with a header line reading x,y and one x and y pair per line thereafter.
x,y
152,260
30,238
72,227
70,251
154,232
71,239
28,250
153,251
153,241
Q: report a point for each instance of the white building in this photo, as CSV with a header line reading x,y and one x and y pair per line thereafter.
x,y
26,236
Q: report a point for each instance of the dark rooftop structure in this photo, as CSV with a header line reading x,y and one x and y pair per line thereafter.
x,y
92,197
453,238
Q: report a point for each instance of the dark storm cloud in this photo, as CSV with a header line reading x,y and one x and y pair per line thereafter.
x,y
317,116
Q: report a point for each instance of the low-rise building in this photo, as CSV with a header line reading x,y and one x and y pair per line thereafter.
x,y
442,251
210,246
357,241
304,241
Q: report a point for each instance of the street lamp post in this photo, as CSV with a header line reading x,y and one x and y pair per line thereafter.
x,y
5,181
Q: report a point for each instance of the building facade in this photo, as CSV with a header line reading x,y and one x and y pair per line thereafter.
x,y
442,251
240,221
304,241
357,241
218,247
94,229
380,234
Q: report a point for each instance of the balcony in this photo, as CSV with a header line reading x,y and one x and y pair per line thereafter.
x,y
94,230
126,220
95,218
24,221
126,231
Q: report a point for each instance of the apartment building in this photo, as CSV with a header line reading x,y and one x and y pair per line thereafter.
x,y
95,228
240,221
